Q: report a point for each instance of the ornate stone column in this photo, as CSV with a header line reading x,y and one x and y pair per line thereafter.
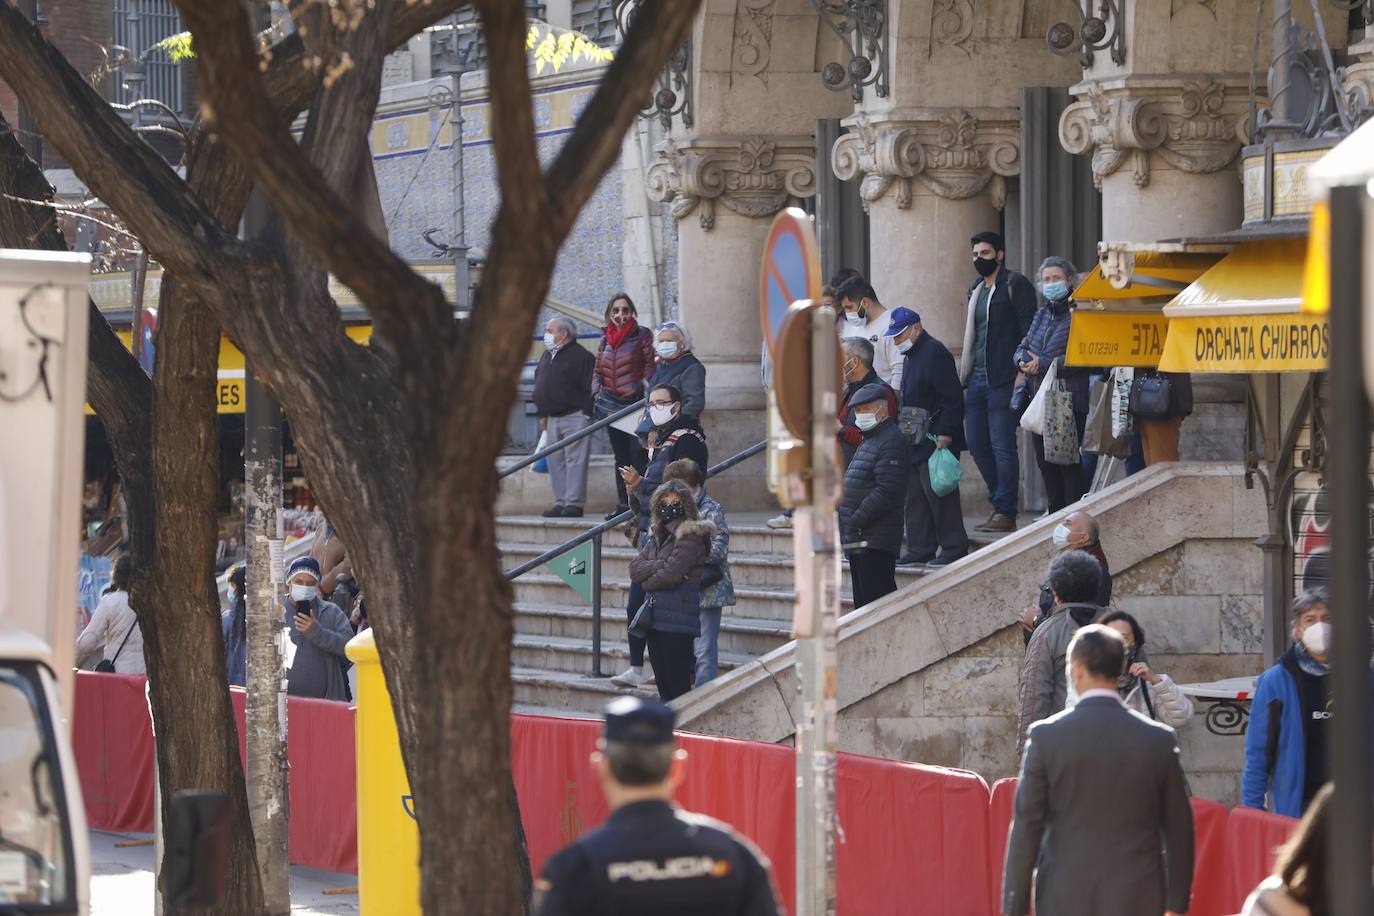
x,y
930,178
1157,146
723,192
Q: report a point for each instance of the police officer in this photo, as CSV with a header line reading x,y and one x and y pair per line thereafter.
x,y
652,857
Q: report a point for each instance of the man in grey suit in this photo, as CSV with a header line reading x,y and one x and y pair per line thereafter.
x,y
1102,817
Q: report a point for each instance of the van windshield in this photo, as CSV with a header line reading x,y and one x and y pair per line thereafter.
x,y
35,851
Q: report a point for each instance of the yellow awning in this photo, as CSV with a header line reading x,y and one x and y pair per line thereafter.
x,y
1316,283
229,396
1154,275
1115,338
1244,315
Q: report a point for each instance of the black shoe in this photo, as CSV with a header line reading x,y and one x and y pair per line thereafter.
x,y
555,512
911,560
616,511
572,511
945,560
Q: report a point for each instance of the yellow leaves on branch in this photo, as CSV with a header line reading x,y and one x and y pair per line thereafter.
x,y
555,47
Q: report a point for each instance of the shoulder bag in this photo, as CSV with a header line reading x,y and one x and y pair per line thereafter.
x,y
914,422
1151,396
643,620
107,665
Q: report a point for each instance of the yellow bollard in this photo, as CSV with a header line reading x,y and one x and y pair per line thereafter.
x,y
388,836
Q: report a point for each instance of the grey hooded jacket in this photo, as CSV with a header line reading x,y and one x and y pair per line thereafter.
x,y
318,669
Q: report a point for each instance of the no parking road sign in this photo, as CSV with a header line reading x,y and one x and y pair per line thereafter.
x,y
791,271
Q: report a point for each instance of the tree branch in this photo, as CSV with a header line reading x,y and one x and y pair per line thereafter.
x,y
126,172
657,30
405,307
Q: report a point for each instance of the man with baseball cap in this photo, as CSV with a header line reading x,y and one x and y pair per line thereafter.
x,y
319,631
930,383
651,856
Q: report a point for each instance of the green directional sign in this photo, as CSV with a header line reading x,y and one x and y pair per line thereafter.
x,y
575,568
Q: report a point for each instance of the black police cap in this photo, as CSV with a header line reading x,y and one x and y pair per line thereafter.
x,y
637,721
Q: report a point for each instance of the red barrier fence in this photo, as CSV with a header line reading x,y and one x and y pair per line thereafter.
x,y
911,838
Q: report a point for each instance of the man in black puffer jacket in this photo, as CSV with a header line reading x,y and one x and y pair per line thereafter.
x,y
874,493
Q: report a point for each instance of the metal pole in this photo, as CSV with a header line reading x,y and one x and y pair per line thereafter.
x,y
265,709
1352,820
816,542
462,292
596,607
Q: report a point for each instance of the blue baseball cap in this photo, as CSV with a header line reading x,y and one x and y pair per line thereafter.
x,y
637,721
902,318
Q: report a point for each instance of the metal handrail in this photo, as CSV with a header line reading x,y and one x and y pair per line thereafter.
x,y
581,434
595,533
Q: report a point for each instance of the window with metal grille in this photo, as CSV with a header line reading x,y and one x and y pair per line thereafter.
x,y
138,25
596,20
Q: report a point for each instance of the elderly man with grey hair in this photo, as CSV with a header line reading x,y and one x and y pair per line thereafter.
x,y
563,403
1046,343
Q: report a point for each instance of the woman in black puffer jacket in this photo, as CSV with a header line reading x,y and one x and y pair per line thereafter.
x,y
1046,342
669,568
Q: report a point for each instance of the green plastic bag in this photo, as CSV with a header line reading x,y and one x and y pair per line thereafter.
x,y
945,470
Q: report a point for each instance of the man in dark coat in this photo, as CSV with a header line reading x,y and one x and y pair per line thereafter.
x,y
875,483
563,401
1102,819
930,381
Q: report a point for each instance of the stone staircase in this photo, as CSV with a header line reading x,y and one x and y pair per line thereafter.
x,y
552,650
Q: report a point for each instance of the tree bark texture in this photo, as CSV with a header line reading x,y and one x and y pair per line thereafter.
x,y
412,485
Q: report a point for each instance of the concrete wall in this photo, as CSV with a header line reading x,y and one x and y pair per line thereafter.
x,y
931,672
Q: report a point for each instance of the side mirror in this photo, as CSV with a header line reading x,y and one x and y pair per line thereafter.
x,y
196,861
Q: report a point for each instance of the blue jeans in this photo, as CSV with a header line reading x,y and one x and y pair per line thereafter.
x,y
708,645
990,428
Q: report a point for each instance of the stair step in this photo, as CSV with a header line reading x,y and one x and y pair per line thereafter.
x,y
762,603
566,653
739,635
569,691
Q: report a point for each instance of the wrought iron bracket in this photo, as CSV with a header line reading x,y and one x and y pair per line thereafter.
x,y
862,26
1095,32
673,93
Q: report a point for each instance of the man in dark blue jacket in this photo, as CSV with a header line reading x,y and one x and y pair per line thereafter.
x,y
875,483
930,381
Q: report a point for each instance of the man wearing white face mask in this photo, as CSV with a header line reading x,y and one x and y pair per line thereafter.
x,y
865,316
1078,531
563,402
1285,743
319,630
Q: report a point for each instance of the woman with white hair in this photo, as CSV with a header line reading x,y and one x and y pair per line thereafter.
x,y
677,366
1045,343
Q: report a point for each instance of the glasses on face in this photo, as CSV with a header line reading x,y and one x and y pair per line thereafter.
x,y
660,403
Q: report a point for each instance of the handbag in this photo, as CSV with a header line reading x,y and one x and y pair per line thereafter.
x,y
1097,433
1020,395
945,470
1061,432
1033,419
542,465
914,422
1151,397
107,665
643,620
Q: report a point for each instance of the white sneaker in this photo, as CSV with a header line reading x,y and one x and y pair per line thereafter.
x,y
650,680
630,677
779,521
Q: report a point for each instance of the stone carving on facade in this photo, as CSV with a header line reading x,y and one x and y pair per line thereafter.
x,y
1358,85
949,152
753,176
1195,127
951,23
1176,5
753,38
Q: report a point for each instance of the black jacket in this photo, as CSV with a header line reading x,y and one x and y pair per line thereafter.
x,y
875,489
931,381
690,442
563,381
1010,311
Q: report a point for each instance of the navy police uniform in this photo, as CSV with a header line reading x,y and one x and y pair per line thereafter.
x,y
651,857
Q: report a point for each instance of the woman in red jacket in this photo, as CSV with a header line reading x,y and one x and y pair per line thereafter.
x,y
624,362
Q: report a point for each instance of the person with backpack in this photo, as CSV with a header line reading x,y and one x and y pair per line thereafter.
x,y
113,631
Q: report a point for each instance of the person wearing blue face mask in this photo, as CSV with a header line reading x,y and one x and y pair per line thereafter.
x,y
1044,344
319,631
676,365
